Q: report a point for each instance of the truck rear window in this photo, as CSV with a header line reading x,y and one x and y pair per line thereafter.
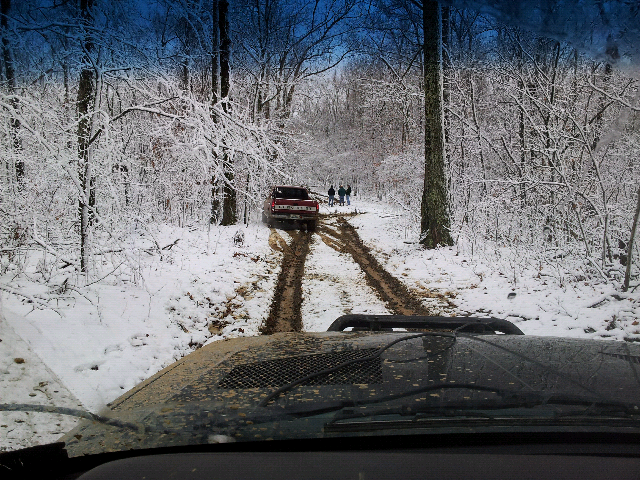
x,y
293,193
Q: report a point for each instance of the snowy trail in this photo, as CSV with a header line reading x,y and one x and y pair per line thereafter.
x,y
319,280
23,375
284,314
399,300
123,329
347,278
334,285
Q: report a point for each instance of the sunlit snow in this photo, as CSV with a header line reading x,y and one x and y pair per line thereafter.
x,y
94,343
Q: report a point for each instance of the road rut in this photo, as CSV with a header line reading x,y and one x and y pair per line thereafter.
x,y
343,237
284,314
340,235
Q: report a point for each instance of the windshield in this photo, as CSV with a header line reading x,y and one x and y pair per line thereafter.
x,y
469,159
291,193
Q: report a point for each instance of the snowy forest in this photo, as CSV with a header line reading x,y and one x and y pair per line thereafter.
x,y
118,115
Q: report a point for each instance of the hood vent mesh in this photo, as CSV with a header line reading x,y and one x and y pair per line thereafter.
x,y
282,371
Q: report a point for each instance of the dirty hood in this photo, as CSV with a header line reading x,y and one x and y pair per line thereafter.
x,y
272,387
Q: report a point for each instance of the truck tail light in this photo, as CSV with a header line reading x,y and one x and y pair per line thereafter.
x,y
273,205
317,207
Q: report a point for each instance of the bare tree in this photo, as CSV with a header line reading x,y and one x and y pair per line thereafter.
x,y
215,96
229,207
85,100
435,223
285,42
17,165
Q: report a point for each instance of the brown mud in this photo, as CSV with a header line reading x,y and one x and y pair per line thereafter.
x,y
337,233
284,314
343,237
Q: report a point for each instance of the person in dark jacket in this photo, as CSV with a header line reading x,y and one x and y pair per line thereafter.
x,y
348,194
332,195
341,193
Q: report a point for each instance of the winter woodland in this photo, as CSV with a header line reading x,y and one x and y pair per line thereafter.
x,y
118,116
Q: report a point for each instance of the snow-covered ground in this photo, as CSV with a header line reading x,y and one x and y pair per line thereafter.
x,y
103,339
541,294
334,285
96,342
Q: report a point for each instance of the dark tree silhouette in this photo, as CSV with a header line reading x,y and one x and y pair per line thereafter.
x,y
86,94
435,223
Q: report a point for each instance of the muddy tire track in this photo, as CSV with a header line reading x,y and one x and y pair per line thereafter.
x,y
392,291
276,242
284,313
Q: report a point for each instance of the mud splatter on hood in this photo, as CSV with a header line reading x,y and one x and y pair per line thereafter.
x,y
220,393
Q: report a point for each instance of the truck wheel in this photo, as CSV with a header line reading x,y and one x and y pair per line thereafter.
x,y
311,226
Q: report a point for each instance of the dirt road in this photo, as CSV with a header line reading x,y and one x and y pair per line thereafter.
x,y
284,314
343,237
337,233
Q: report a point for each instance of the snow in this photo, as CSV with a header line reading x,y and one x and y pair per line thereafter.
x,y
102,339
550,299
334,285
108,337
25,378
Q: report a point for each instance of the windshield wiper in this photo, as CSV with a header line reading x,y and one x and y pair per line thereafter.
x,y
509,399
509,408
73,412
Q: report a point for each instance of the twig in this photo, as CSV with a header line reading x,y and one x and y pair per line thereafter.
x,y
594,265
599,302
102,278
71,287
36,239
615,99
33,300
119,250
168,247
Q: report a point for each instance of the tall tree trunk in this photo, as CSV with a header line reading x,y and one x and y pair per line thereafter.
x,y
229,211
85,103
521,125
598,128
215,96
215,54
627,275
435,224
446,68
18,164
225,51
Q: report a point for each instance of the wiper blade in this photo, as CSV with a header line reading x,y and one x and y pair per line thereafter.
x,y
513,398
481,409
452,420
73,412
508,399
509,410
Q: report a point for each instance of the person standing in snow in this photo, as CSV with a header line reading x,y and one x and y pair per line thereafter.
x,y
341,193
332,195
348,194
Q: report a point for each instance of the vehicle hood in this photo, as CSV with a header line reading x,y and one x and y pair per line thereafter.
x,y
213,394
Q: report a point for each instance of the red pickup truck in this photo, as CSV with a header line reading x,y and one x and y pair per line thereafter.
x,y
287,203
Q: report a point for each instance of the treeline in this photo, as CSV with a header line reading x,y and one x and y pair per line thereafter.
x,y
119,115
542,140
